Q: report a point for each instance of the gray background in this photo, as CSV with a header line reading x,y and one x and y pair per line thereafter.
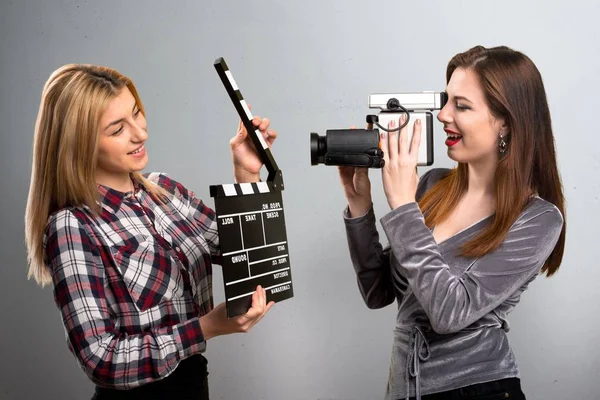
x,y
308,65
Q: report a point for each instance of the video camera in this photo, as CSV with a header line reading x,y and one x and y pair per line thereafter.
x,y
360,147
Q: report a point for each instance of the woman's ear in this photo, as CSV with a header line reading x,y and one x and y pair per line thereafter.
x,y
504,128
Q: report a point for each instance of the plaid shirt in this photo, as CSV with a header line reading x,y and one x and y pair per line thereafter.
x,y
132,283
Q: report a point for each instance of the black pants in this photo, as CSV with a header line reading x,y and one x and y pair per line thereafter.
x,y
189,381
509,388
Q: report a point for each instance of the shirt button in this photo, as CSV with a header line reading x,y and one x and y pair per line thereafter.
x,y
178,249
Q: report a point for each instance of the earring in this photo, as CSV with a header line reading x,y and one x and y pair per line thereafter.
x,y
502,145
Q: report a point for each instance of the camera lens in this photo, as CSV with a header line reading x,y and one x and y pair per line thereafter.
x,y
318,148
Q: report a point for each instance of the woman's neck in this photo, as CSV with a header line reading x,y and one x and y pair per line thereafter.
x,y
122,183
481,179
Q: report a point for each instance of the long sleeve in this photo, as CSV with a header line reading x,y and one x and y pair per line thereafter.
x,y
206,218
453,302
109,358
379,282
194,209
370,260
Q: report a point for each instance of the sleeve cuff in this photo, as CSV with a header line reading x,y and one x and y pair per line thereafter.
x,y
189,338
406,212
406,230
406,218
349,220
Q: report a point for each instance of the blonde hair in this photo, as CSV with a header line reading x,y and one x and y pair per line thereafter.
x,y
65,150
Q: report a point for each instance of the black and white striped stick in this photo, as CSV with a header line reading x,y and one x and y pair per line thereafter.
x,y
274,177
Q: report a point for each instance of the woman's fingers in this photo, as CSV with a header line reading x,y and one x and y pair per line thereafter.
x,y
257,310
240,135
383,141
416,140
264,124
262,299
271,136
254,309
403,139
347,177
392,142
271,304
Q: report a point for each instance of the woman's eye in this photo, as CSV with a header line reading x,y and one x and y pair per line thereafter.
x,y
118,131
137,111
461,107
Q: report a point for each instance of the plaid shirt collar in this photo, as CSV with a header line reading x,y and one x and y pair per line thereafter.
x,y
110,199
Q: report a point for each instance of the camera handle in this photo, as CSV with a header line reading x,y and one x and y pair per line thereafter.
x,y
394,106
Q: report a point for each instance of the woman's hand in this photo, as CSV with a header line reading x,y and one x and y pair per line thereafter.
x,y
357,187
246,161
216,323
399,173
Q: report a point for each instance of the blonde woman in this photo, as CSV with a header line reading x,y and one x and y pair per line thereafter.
x,y
129,255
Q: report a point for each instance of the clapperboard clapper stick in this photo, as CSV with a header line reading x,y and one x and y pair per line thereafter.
x,y
251,223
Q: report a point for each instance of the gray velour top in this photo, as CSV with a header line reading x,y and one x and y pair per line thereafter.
x,y
452,310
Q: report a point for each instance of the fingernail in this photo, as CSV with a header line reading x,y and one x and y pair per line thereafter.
x,y
382,135
418,122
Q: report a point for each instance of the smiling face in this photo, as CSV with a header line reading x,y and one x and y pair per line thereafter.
x,y
122,134
472,131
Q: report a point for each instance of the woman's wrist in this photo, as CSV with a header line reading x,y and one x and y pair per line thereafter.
x,y
400,201
207,327
243,176
358,208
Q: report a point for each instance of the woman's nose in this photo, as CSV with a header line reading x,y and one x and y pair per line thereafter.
x,y
140,133
444,115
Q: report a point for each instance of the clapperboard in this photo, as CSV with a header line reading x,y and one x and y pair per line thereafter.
x,y
251,223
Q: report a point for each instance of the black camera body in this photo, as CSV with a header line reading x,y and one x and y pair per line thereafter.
x,y
360,147
355,147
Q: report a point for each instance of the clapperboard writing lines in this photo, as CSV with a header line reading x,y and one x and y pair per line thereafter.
x,y
242,237
267,259
278,259
250,212
263,228
253,248
258,276
268,288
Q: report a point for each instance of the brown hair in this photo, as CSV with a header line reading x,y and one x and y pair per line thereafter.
x,y
65,150
513,91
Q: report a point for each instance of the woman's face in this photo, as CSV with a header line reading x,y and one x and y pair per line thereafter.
x,y
122,134
472,131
